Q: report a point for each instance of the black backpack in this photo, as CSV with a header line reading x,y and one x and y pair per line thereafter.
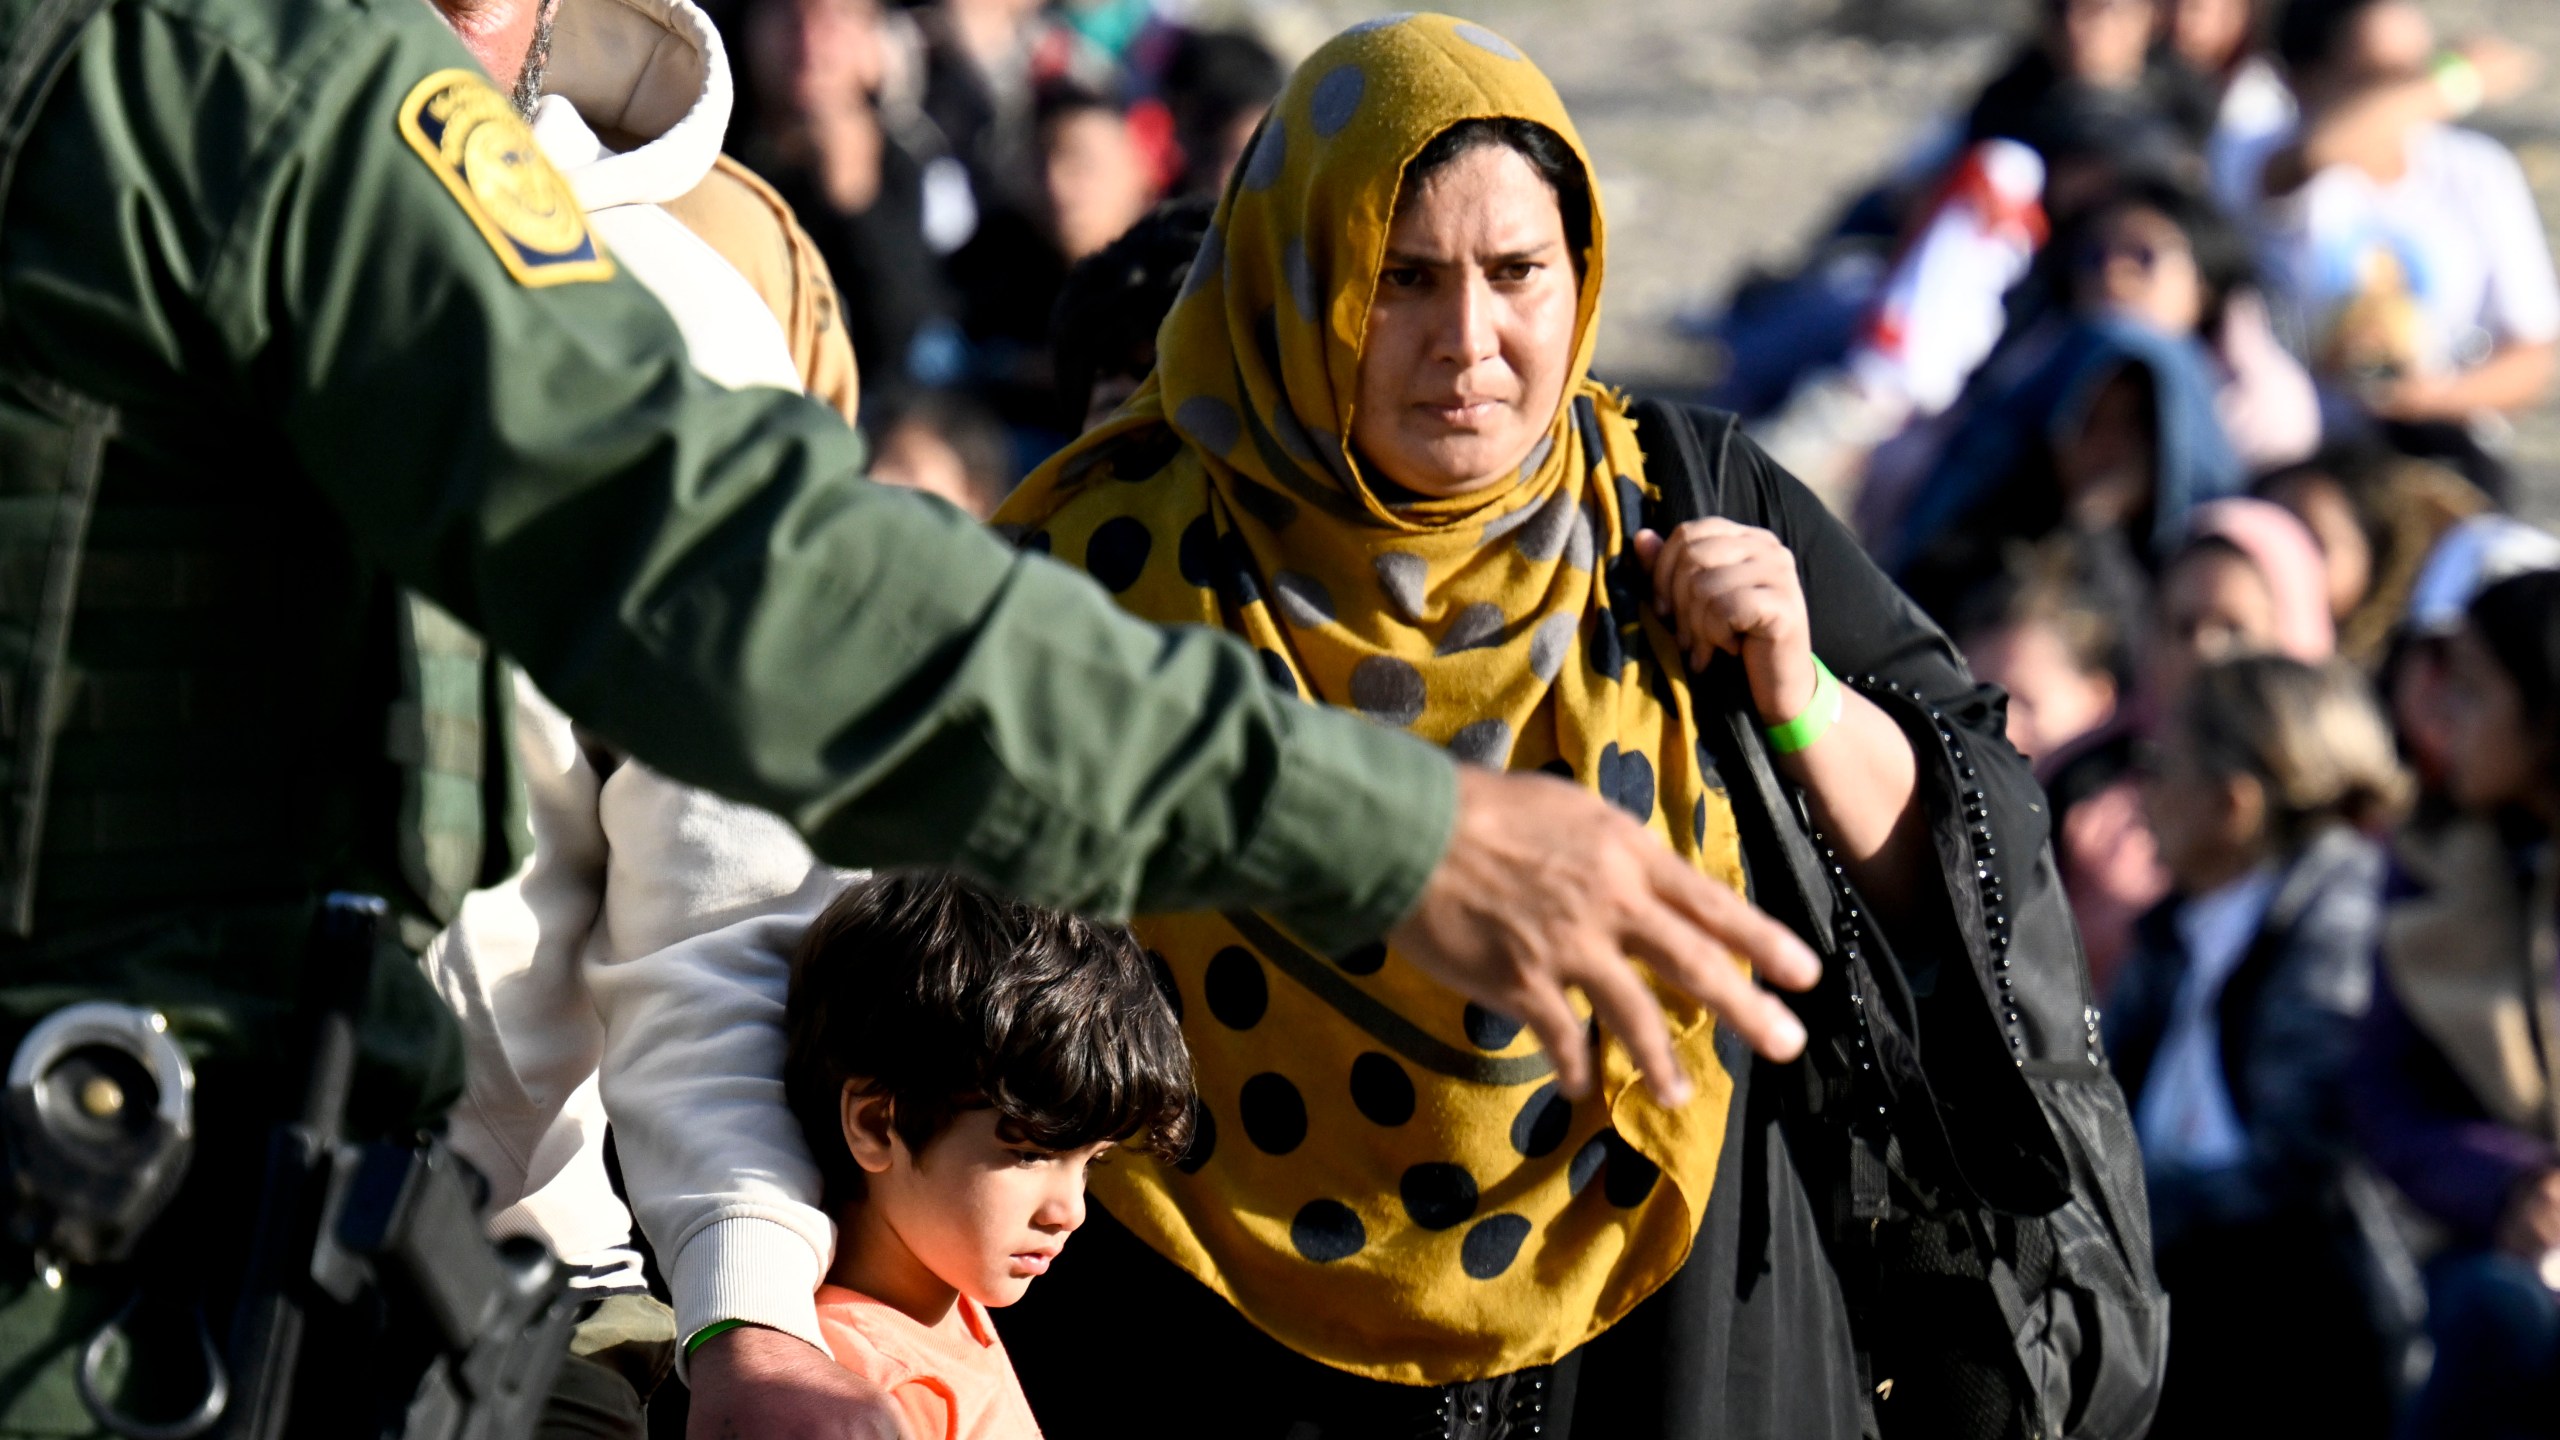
x,y
1986,1207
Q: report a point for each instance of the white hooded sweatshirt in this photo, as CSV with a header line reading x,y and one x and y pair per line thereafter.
x,y
604,941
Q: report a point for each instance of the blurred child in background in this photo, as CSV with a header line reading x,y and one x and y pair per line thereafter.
x,y
2232,1024
2454,1094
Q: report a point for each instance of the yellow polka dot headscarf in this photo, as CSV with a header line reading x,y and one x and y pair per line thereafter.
x,y
1386,1177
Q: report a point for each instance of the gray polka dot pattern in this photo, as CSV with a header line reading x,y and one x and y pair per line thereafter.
x,y
1302,278
1581,550
1270,155
1503,525
1538,454
1549,646
1387,689
1403,577
1211,421
1486,743
1383,22
1544,536
1292,437
1336,100
1329,453
1486,40
1476,627
1207,261
1303,599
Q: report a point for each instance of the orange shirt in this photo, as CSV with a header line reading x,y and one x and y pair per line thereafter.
x,y
953,1382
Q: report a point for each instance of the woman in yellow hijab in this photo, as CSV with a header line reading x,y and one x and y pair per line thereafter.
x,y
1372,447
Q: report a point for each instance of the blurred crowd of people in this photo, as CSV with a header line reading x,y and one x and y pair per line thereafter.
x,y
2174,375
954,162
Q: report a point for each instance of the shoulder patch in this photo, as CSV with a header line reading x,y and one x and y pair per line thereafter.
x,y
486,155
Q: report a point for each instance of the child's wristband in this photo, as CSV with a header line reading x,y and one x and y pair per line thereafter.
x,y
716,1327
2458,81
1820,713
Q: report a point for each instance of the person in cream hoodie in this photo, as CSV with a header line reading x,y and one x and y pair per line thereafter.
x,y
583,948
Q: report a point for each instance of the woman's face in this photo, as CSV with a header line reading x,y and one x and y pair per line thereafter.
x,y
2106,468
2209,34
2137,263
816,53
2213,605
2101,42
2052,700
2210,827
2346,556
1471,331
2491,761
1096,180
2418,710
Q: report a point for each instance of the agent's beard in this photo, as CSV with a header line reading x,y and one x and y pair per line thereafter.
x,y
537,60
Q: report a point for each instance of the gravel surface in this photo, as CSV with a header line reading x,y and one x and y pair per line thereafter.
x,y
1730,132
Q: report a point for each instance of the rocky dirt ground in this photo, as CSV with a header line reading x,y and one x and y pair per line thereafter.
x,y
1728,132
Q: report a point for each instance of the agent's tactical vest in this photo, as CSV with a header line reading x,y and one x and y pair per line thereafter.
x,y
212,710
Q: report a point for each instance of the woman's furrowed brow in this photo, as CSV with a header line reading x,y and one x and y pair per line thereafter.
x,y
1413,260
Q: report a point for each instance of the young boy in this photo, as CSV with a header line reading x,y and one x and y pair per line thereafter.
x,y
956,1062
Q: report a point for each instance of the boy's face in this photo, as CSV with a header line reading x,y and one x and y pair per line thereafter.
x,y
984,1212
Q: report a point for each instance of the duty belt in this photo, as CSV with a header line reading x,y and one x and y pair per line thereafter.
x,y
370,1256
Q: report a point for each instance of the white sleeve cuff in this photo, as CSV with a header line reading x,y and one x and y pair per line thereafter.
x,y
743,1268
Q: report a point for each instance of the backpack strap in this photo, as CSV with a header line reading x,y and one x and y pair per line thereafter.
x,y
1685,456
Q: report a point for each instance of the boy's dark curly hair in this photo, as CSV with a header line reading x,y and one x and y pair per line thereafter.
x,y
946,998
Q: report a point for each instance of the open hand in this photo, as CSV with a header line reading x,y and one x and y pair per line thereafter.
x,y
1547,888
751,1383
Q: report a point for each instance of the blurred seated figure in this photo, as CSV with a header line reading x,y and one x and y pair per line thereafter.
x,y
1940,307
2248,581
2101,45
2376,516
2223,42
2105,427
1095,182
2157,251
983,65
2454,1090
1902,299
2152,254
2408,252
2231,1027
872,178
1103,337
2047,632
944,443
1217,85
2474,555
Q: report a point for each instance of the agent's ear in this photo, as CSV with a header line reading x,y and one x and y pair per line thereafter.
x,y
867,1118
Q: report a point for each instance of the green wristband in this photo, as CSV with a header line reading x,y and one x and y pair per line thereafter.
x,y
716,1327
1820,713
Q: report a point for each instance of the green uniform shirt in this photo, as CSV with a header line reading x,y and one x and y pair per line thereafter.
x,y
260,230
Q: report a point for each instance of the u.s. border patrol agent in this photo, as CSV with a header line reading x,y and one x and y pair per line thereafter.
x,y
293,315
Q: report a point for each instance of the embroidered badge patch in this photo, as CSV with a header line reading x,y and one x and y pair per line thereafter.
x,y
486,155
